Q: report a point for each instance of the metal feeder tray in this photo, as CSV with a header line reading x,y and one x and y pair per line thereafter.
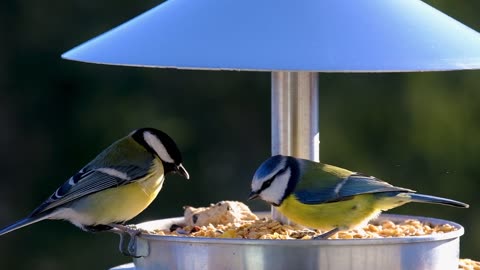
x,y
438,251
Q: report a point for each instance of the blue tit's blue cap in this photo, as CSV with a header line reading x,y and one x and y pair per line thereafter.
x,y
270,165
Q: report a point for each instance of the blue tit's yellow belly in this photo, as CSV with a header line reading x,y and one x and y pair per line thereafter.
x,y
120,203
343,214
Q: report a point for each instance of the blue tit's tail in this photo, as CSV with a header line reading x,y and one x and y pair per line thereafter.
x,y
432,199
24,222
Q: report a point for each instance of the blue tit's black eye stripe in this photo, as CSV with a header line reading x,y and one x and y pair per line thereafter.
x,y
266,184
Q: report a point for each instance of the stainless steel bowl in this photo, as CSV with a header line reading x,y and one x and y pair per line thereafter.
x,y
440,251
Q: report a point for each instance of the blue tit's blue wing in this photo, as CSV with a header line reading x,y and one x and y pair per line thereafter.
x,y
357,184
91,180
322,183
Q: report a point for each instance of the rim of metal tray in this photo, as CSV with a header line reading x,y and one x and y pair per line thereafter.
x,y
295,242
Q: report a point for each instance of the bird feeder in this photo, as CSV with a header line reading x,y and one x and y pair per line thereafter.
x,y
294,40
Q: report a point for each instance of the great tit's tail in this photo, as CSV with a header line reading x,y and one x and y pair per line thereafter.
x,y
24,222
438,200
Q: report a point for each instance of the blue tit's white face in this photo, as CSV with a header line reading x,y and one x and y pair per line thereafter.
x,y
271,180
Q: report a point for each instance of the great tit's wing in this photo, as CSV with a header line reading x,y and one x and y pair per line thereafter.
x,y
91,180
322,183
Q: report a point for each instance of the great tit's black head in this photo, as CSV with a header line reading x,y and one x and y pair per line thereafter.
x,y
160,144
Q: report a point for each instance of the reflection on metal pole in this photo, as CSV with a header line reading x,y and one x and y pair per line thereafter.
x,y
295,117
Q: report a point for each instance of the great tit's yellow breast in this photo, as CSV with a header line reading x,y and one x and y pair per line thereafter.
x,y
326,216
121,203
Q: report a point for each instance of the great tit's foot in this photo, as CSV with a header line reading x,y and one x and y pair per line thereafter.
x,y
125,228
127,232
326,235
97,228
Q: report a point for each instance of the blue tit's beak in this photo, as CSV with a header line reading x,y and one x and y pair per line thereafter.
x,y
253,195
182,171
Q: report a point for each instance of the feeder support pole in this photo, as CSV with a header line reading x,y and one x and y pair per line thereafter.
x,y
295,117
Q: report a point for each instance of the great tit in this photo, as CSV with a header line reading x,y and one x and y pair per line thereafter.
x,y
329,198
114,187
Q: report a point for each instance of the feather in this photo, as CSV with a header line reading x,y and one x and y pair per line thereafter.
x,y
321,183
87,182
25,222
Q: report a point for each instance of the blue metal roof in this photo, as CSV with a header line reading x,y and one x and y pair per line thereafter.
x,y
300,35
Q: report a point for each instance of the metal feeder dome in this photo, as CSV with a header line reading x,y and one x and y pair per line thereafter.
x,y
281,35
294,40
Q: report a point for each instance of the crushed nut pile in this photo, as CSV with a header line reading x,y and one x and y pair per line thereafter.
x,y
468,264
229,219
271,229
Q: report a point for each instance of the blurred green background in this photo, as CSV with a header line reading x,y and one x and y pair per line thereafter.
x,y
419,131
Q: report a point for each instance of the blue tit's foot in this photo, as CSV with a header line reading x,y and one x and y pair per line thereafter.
x,y
326,235
302,233
129,232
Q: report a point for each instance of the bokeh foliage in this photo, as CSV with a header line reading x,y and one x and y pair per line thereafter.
x,y
417,130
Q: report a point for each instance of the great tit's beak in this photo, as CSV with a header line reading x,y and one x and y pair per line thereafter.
x,y
182,171
253,195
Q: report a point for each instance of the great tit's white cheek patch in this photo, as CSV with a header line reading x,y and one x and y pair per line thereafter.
x,y
275,192
157,146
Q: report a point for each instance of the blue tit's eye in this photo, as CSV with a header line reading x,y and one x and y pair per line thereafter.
x,y
266,184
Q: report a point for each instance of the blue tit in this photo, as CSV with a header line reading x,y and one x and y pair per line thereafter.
x,y
329,198
114,187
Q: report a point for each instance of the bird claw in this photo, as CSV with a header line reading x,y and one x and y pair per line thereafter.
x,y
129,245
326,235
